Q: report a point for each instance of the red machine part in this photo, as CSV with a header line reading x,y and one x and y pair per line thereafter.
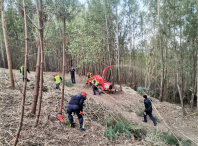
x,y
102,83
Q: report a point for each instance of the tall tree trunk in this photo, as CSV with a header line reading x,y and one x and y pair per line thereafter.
x,y
197,84
118,46
25,76
63,69
131,60
3,58
6,46
36,83
161,49
194,77
108,44
40,24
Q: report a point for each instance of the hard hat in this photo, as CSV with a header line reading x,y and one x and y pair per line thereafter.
x,y
84,94
55,74
88,73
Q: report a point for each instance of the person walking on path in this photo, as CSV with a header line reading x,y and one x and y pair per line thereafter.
x,y
76,106
22,72
148,110
72,73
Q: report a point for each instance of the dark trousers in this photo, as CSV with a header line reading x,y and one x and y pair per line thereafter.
x,y
57,86
95,89
73,78
75,109
27,79
150,115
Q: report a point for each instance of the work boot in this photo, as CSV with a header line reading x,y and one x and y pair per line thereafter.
x,y
144,121
72,125
82,129
155,124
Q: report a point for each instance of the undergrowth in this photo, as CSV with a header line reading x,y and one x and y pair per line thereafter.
x,y
171,140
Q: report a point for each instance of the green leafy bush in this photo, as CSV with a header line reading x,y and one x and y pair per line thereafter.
x,y
141,90
68,84
171,140
110,134
116,127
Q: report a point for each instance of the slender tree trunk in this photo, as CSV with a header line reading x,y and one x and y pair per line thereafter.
x,y
6,46
134,73
108,44
63,69
118,45
4,65
40,24
131,60
167,75
25,76
162,62
193,78
197,84
36,83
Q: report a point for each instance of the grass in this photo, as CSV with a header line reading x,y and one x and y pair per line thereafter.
x,y
140,112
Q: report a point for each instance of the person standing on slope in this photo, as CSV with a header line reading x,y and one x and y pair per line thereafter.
x,y
95,86
72,73
148,110
22,72
76,106
58,80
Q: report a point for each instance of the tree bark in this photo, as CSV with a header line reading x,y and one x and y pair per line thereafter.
x,y
40,24
194,77
63,69
108,44
118,46
197,84
36,83
162,62
131,60
3,58
25,76
6,46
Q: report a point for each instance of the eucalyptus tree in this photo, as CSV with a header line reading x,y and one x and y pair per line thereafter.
x,y
67,10
6,45
25,75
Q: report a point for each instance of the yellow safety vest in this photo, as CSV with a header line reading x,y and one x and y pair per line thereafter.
x,y
21,69
58,80
89,76
96,83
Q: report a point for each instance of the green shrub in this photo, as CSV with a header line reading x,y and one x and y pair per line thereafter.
x,y
110,134
68,84
170,139
141,90
116,127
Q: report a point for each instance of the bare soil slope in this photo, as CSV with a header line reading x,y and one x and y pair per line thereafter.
x,y
97,107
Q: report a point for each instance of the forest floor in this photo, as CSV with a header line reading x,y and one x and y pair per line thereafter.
x,y
126,104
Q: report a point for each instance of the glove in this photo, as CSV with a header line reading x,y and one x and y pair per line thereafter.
x,y
81,113
145,113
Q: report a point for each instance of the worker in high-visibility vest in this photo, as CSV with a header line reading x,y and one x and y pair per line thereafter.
x,y
22,72
58,80
89,75
95,86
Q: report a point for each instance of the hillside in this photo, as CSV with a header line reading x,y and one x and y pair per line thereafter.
x,y
125,105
